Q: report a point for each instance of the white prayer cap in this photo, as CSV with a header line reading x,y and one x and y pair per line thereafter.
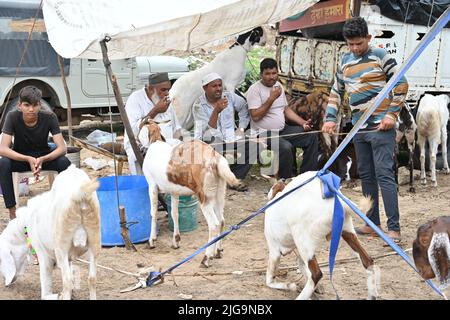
x,y
209,78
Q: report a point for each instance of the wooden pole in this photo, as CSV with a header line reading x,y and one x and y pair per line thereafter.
x,y
120,104
124,230
69,101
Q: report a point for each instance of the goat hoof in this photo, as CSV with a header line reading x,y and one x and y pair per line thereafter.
x,y
175,246
151,245
54,296
219,254
434,183
423,182
292,286
319,289
205,262
412,190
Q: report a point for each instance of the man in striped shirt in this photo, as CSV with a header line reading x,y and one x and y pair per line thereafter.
x,y
363,73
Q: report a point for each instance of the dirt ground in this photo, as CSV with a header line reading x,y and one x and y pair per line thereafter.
x,y
240,274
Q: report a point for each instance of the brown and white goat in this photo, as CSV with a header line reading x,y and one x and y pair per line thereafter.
x,y
431,250
313,107
62,224
189,168
303,221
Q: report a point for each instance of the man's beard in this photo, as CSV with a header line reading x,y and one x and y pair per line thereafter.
x,y
155,98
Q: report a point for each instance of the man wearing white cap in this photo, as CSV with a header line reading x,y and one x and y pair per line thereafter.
x,y
151,101
214,114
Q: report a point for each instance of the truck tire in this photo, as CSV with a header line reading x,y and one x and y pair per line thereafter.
x,y
12,105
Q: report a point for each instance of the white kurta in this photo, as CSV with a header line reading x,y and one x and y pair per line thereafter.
x,y
137,107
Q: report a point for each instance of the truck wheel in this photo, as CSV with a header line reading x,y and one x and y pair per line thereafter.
x,y
12,105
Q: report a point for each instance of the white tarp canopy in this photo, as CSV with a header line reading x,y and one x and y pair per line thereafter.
x,y
152,27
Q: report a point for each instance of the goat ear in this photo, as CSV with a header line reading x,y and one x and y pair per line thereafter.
x,y
288,180
7,265
143,136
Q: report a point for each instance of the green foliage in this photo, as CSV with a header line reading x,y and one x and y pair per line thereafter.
x,y
254,57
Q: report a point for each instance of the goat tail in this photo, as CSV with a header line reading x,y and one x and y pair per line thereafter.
x,y
86,189
365,204
224,171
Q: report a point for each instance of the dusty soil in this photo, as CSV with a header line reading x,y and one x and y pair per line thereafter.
x,y
245,251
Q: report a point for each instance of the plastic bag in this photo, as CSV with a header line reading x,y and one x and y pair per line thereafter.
x,y
95,164
98,137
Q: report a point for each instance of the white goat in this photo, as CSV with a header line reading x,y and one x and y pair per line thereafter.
x,y
62,224
229,64
188,168
432,117
303,221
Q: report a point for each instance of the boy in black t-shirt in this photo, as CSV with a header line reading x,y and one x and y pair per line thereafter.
x,y
30,128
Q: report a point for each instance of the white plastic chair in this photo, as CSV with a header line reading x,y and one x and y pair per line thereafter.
x,y
18,176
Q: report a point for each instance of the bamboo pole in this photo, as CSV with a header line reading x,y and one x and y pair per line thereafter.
x,y
69,101
120,104
124,230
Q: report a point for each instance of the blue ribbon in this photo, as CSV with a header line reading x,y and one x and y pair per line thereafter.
x,y
331,183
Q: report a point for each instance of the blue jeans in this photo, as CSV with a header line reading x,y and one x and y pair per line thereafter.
x,y
375,153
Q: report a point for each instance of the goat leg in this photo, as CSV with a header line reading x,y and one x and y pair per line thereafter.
x,y
367,261
175,217
411,172
314,275
272,264
153,193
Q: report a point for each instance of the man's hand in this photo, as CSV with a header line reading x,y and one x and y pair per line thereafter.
x,y
38,166
162,105
386,124
239,133
307,125
329,127
221,104
275,92
34,165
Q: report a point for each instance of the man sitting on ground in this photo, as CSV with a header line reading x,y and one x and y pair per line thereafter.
x,y
30,126
153,102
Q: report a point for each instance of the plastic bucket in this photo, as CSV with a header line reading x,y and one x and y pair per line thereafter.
x,y
73,154
187,212
133,195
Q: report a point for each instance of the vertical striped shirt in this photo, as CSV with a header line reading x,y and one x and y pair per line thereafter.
x,y
363,77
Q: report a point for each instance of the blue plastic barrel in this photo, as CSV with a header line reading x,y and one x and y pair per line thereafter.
x,y
133,195
187,212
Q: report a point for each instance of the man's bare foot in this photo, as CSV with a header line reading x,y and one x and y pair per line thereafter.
x,y
12,213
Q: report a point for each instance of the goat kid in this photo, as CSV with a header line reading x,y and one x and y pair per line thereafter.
x,y
229,64
189,168
432,117
63,224
303,221
406,129
431,250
